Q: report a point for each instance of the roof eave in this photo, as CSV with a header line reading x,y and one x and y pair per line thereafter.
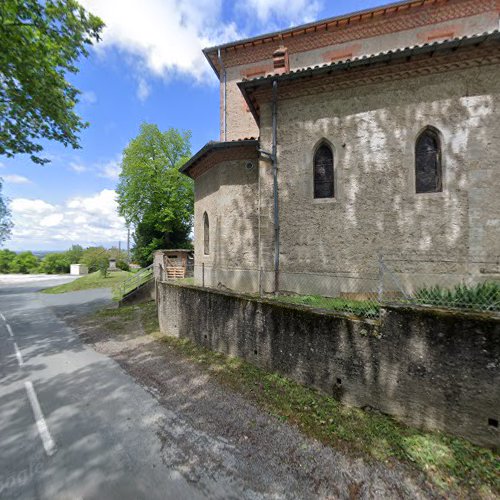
x,y
212,146
371,60
206,53
248,85
304,27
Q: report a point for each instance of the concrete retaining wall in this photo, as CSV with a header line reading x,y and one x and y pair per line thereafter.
x,y
429,368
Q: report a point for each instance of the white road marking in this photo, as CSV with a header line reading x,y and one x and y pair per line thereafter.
x,y
43,430
19,356
2,316
9,329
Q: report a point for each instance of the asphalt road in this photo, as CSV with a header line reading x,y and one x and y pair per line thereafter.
x,y
72,423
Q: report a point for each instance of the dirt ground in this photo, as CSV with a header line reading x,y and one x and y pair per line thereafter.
x,y
228,447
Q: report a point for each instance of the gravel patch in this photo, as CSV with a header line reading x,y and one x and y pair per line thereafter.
x,y
228,447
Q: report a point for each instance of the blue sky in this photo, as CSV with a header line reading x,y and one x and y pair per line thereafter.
x,y
148,68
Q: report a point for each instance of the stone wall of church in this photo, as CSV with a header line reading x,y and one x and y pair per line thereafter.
x,y
372,130
384,35
228,193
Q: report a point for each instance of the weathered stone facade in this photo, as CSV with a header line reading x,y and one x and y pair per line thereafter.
x,y
372,130
228,194
370,114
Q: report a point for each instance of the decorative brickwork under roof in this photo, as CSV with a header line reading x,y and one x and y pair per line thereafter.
x,y
369,23
216,152
399,63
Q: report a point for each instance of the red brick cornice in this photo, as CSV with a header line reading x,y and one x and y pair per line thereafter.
x,y
384,72
380,21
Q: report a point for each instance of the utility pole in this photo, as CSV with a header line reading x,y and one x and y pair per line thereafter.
x,y
128,243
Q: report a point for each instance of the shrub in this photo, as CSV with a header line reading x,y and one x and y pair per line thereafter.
x,y
94,257
74,254
121,264
55,263
484,296
6,257
103,267
24,263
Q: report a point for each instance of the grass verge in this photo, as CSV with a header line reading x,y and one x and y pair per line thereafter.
x,y
366,308
92,280
453,465
185,281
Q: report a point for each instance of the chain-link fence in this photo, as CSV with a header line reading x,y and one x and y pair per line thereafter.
x,y
471,282
360,286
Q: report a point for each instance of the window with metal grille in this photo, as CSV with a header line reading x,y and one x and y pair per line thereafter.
x,y
323,173
428,169
206,234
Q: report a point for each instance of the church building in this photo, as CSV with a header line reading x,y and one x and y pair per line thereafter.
x,y
371,133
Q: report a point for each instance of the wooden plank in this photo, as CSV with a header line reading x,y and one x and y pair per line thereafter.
x,y
175,272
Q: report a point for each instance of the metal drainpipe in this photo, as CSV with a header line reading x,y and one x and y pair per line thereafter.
x,y
224,122
275,190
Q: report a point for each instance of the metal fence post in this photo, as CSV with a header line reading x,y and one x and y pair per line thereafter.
x,y
203,274
380,293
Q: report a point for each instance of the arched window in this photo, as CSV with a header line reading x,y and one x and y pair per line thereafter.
x,y
428,169
323,173
206,234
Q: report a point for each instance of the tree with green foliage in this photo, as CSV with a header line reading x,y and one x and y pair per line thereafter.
x,y
103,268
153,195
117,254
24,263
55,263
123,265
5,220
6,258
74,254
40,43
95,258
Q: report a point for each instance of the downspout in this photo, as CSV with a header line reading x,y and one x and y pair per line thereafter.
x,y
224,78
273,156
259,212
274,159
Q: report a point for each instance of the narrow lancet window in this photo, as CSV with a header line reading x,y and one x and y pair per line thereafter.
x,y
206,234
428,169
323,173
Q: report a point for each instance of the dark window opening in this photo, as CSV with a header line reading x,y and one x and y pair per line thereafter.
x,y
323,173
428,169
206,234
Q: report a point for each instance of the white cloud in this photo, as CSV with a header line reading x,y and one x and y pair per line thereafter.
x,y
110,170
77,167
87,220
107,170
143,89
16,179
290,11
52,220
88,97
27,206
164,36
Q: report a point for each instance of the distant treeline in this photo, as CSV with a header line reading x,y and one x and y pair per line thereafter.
x,y
59,262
